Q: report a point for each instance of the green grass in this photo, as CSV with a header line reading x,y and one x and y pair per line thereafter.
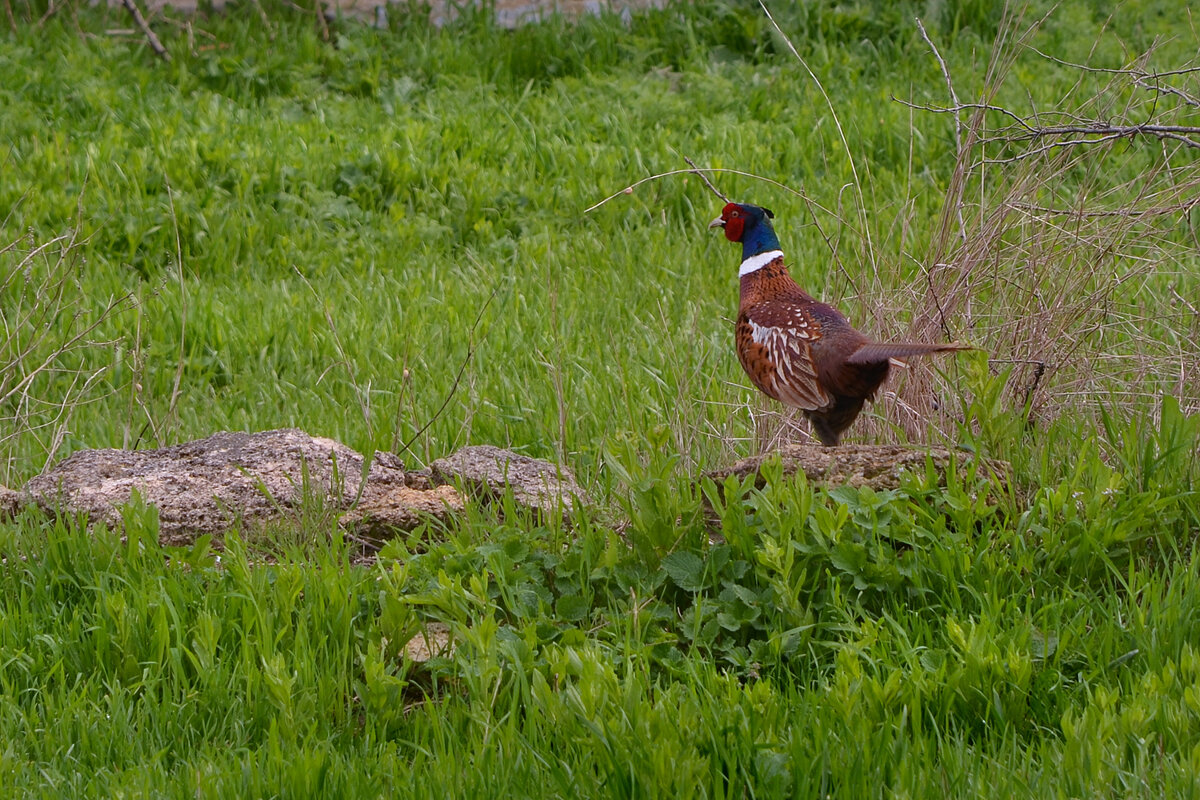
x,y
342,212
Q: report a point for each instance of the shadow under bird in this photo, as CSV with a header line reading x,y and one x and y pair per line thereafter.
x,y
797,349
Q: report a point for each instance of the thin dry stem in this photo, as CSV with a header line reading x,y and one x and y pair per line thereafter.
x,y
172,406
48,349
958,125
362,394
861,206
693,171
472,345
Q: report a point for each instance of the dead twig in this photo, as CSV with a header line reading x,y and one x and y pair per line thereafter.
x,y
1111,134
937,301
1097,132
51,9
321,21
964,107
1152,211
1144,83
1113,70
151,37
47,363
1068,244
266,21
1099,129
700,174
1180,299
833,249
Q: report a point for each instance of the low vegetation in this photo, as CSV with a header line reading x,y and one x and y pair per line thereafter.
x,y
380,236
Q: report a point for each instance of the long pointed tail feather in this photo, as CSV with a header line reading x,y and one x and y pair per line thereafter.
x,y
882,351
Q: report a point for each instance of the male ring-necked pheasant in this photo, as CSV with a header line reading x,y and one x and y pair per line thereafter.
x,y
796,349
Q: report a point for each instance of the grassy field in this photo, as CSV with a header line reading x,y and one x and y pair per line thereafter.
x,y
275,228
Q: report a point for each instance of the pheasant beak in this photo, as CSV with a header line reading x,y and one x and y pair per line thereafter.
x,y
719,222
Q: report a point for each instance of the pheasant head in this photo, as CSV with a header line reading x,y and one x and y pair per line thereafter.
x,y
750,225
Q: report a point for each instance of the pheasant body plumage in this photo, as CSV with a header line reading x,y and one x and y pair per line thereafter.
x,y
796,349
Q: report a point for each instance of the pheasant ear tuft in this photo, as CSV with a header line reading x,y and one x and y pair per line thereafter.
x,y
770,214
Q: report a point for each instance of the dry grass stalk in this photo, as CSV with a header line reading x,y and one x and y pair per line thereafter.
x,y
49,362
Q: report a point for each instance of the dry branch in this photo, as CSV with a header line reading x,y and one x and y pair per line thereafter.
x,y
700,174
1027,129
151,36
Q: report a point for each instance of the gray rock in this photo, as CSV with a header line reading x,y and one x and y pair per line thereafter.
x,y
209,485
876,466
487,470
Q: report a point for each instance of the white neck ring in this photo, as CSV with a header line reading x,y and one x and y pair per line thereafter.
x,y
755,263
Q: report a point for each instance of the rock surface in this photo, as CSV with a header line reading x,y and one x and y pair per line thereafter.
x,y
876,466
10,501
249,479
487,470
209,485
433,641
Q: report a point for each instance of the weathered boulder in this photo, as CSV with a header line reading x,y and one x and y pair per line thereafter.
x,y
876,466
379,514
486,470
209,485
10,501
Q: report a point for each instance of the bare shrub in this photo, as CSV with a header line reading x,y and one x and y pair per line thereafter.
x,y
1076,227
1066,249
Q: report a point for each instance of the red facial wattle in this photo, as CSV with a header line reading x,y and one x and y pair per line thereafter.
x,y
735,222
734,226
